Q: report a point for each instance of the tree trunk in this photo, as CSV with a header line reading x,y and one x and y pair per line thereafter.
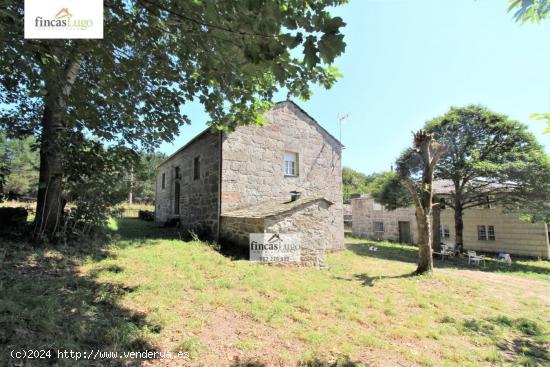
x,y
49,206
459,227
425,252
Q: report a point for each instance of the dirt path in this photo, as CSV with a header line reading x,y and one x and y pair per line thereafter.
x,y
506,284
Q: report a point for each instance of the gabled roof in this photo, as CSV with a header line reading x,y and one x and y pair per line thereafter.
x,y
200,135
271,208
311,118
210,130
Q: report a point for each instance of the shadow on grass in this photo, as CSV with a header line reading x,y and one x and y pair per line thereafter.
x,y
409,254
47,303
313,362
132,229
527,348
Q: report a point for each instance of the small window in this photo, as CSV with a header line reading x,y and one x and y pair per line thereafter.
x,y
376,206
177,172
491,233
291,164
378,226
444,231
442,203
163,181
197,168
481,233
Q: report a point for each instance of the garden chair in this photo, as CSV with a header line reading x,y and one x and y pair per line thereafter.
x,y
474,258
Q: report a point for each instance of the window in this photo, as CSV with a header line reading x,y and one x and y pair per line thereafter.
x,y
291,164
481,233
177,172
197,168
177,198
378,226
491,233
163,181
442,203
444,231
376,206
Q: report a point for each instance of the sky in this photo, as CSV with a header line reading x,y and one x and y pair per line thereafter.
x,y
408,61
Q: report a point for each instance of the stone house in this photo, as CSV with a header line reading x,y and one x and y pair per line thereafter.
x,y
486,229
223,186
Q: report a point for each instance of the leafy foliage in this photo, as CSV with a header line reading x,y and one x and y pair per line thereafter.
x,y
389,190
354,182
157,56
91,170
491,159
529,10
140,179
21,156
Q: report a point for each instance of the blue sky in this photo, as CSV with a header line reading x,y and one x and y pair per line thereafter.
x,y
407,61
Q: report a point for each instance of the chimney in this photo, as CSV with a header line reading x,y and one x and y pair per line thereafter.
x,y
294,195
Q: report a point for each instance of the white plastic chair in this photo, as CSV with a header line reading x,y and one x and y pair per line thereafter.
x,y
474,258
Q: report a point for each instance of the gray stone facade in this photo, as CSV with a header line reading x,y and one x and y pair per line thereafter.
x,y
199,196
252,168
246,167
366,212
309,217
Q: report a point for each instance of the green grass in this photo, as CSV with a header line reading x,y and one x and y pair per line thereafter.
x,y
147,290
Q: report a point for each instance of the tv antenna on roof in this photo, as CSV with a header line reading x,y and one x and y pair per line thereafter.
x,y
342,120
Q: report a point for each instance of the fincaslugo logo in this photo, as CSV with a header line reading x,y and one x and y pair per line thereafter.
x,y
63,19
55,19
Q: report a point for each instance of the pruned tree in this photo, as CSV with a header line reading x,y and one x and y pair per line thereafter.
x,y
425,155
133,87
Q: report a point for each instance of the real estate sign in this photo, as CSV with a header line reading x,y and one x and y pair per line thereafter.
x,y
275,247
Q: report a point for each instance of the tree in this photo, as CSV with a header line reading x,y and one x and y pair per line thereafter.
x,y
133,86
425,155
533,11
388,190
491,160
354,182
529,10
22,160
141,178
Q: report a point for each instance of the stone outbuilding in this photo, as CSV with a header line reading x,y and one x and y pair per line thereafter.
x,y
219,183
486,228
308,217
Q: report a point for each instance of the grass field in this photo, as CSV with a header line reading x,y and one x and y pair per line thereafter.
x,y
146,290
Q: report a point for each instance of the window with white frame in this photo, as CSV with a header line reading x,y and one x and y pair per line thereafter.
x,y
491,233
444,231
378,226
291,164
482,233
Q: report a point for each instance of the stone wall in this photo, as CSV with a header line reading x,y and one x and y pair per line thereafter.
x,y
365,213
252,164
235,231
199,198
312,223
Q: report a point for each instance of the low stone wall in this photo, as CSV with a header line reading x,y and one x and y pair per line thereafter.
x,y
312,224
235,231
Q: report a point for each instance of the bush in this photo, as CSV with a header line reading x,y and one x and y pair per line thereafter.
x,y
146,215
12,217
